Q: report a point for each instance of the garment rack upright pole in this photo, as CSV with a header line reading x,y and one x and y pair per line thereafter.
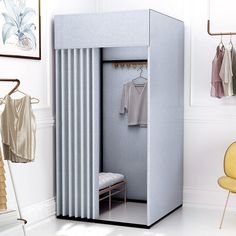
x,y
16,197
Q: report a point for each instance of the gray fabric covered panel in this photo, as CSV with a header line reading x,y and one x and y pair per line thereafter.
x,y
77,125
125,53
165,137
117,29
124,147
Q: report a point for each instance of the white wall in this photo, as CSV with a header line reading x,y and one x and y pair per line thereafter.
x,y
209,123
35,181
170,7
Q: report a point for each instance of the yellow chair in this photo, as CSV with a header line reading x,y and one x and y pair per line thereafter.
x,y
228,181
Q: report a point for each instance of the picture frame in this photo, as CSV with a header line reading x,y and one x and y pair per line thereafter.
x,y
20,29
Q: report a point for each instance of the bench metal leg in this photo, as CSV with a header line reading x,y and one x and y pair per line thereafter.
x,y
109,200
125,194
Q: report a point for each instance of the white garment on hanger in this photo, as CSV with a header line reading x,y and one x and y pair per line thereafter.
x,y
18,128
234,69
226,73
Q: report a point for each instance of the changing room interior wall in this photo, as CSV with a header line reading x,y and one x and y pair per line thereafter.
x,y
124,147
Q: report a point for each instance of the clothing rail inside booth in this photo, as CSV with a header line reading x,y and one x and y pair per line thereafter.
x,y
127,63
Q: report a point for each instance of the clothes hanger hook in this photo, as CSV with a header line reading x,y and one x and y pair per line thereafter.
x,y
140,68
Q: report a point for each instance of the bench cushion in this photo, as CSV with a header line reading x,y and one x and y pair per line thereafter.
x,y
108,179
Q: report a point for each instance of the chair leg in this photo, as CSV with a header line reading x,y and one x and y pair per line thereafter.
x,y
222,219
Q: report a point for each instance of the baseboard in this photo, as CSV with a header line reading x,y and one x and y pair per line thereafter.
x,y
39,211
208,198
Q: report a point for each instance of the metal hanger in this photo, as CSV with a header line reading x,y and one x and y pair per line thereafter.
x,y
221,45
140,77
15,89
33,99
230,42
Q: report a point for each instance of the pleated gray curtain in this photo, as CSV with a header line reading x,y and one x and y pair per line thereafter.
x,y
77,132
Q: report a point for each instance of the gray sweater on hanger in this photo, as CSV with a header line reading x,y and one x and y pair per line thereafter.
x,y
134,102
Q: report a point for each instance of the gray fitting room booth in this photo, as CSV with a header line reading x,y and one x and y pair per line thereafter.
x,y
91,135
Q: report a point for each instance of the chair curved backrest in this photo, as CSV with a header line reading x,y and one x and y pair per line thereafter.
x,y
230,161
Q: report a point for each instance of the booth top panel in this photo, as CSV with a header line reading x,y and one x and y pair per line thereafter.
x,y
116,29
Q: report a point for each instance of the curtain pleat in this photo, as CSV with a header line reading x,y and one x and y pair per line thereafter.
x,y
77,131
64,126
88,128
71,155
95,131
82,134
58,133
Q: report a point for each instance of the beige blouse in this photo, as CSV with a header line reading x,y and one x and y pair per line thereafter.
x,y
18,127
226,73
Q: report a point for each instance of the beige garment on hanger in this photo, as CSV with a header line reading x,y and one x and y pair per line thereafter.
x,y
3,194
18,128
234,69
226,73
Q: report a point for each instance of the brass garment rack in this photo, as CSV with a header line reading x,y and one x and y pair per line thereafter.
x,y
9,166
11,80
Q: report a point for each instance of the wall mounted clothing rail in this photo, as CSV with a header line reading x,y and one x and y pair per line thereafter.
x,y
125,61
217,33
209,24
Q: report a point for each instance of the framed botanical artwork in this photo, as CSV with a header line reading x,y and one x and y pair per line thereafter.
x,y
20,29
